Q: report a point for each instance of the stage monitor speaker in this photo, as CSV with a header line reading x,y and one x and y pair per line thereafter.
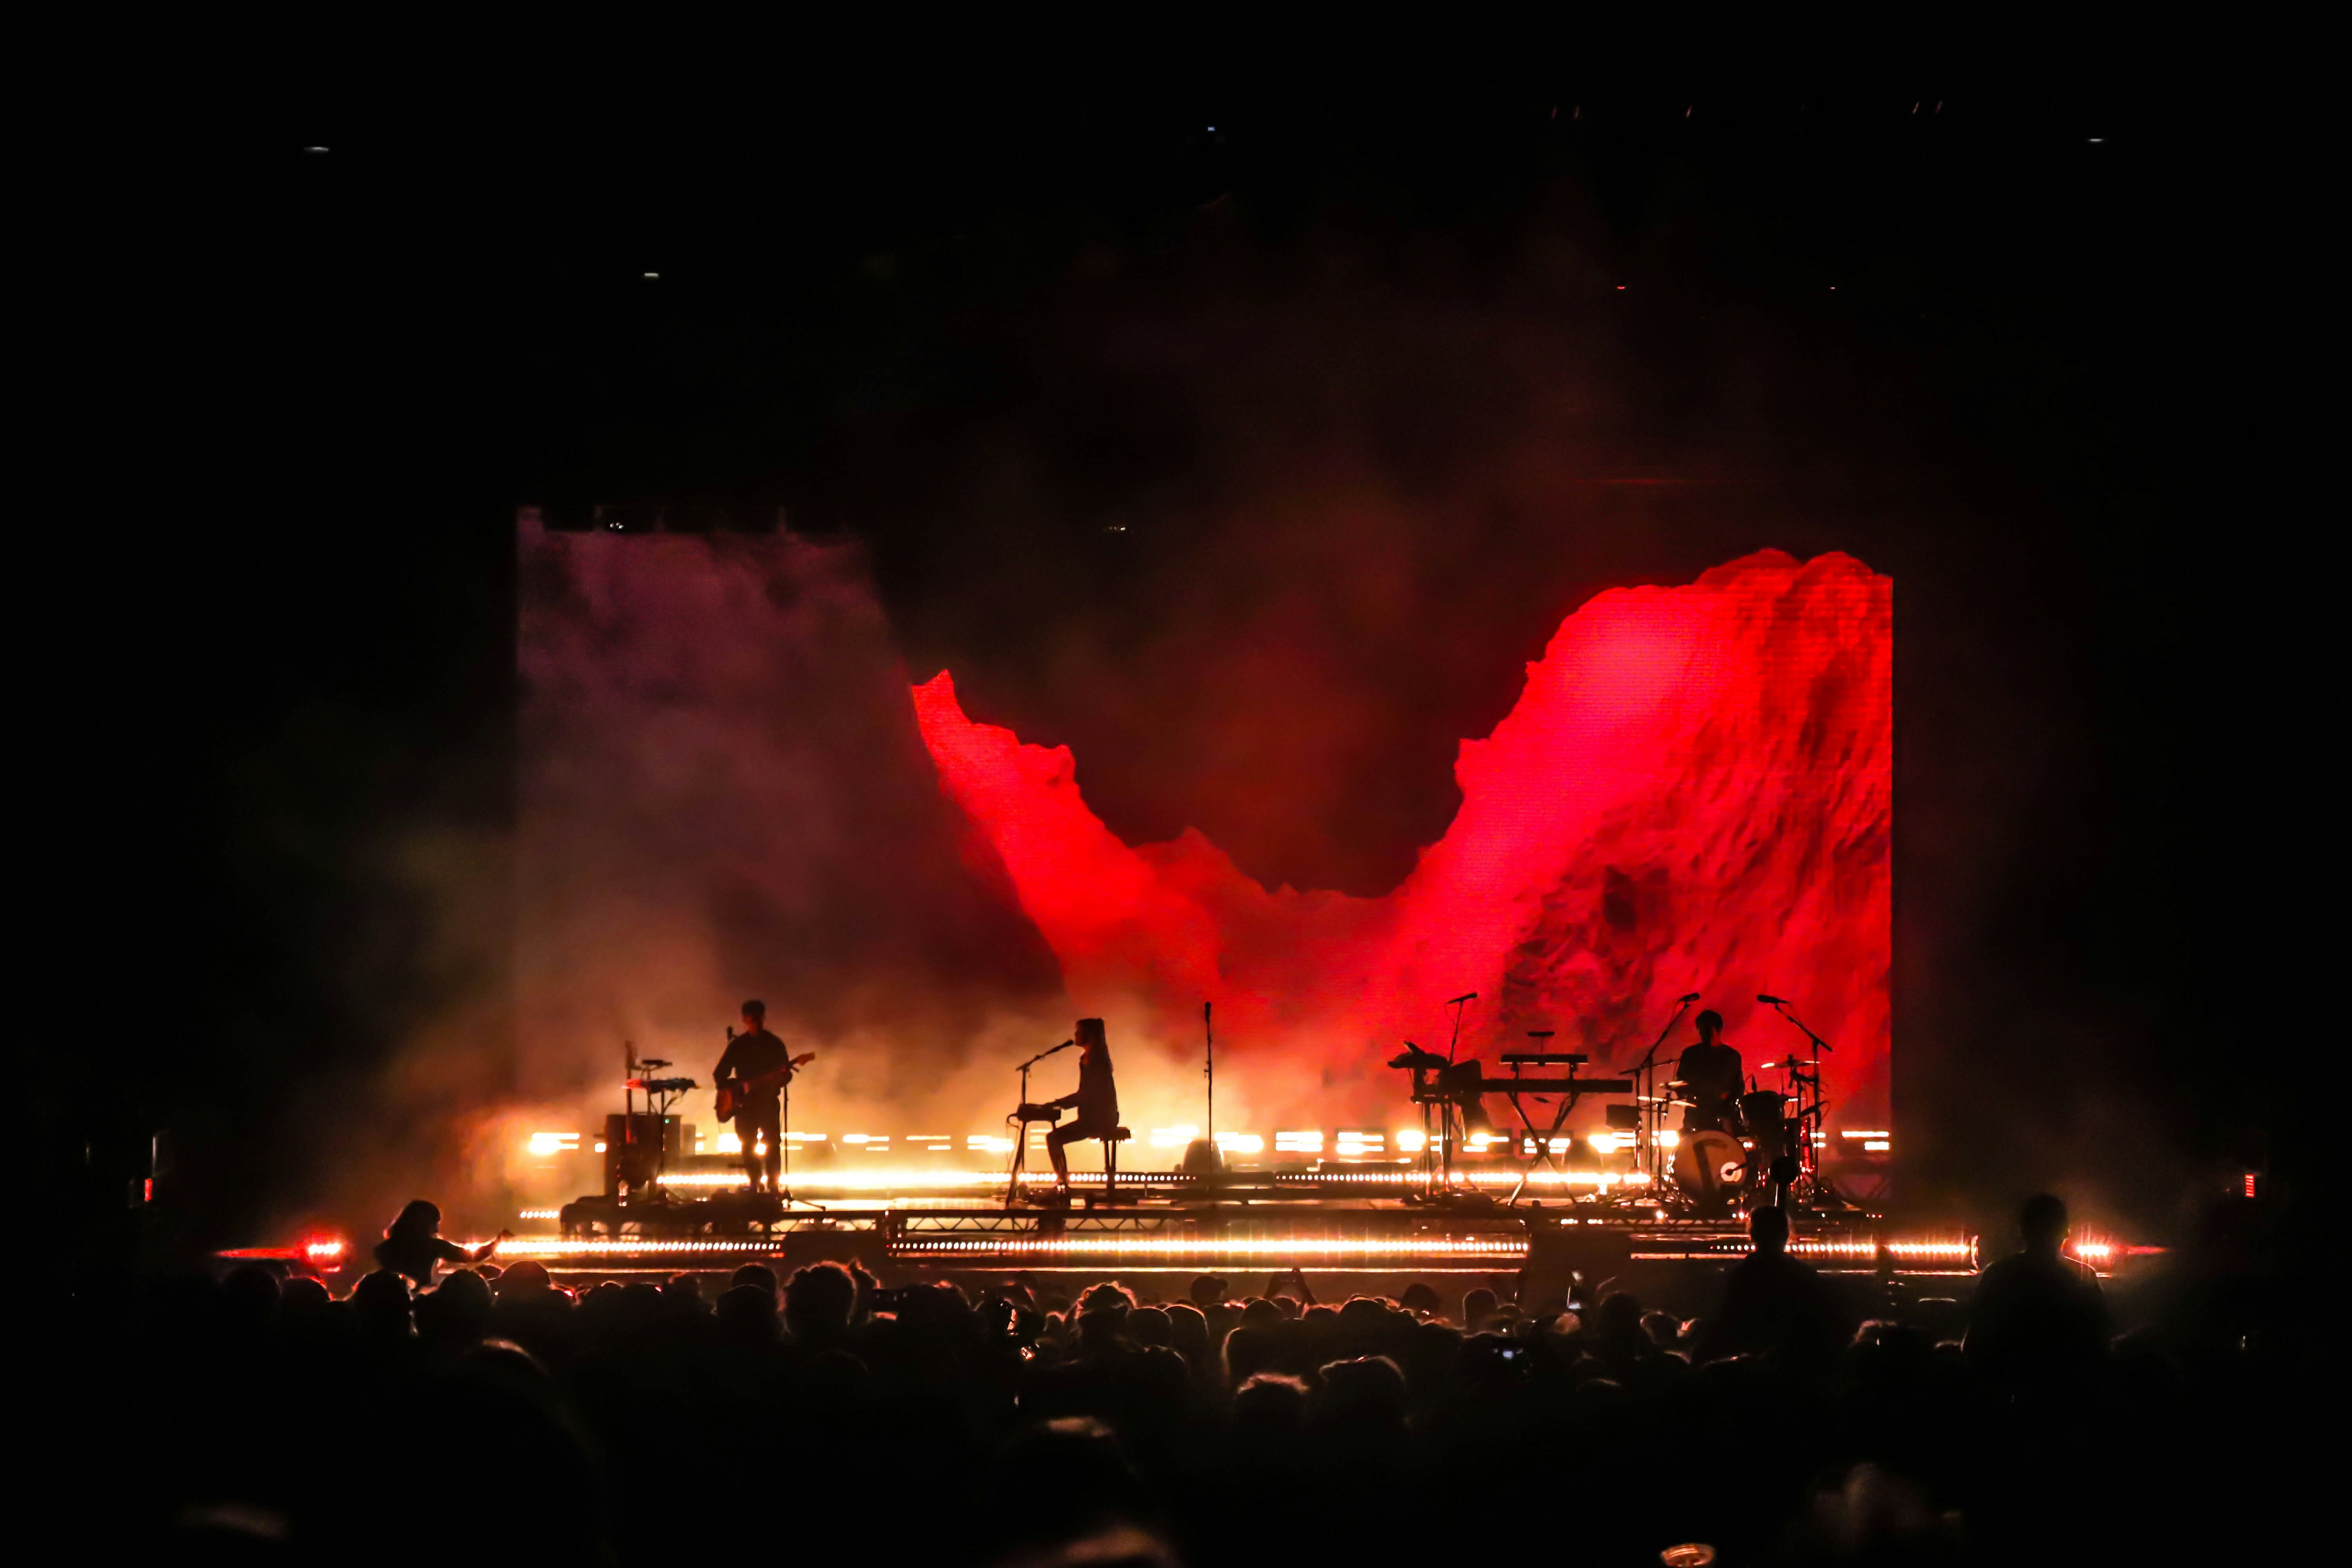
x,y
637,1148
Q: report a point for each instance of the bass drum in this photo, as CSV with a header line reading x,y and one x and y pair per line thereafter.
x,y
1709,1166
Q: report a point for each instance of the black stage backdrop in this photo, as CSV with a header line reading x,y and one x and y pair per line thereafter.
x,y
1129,365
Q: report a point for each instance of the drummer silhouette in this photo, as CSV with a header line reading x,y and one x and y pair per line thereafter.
x,y
1710,1075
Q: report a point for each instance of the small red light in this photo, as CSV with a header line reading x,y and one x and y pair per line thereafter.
x,y
2254,1184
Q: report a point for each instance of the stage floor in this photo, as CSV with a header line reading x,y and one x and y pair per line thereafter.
x,y
1168,1223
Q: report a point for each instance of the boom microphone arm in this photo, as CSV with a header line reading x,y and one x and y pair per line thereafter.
x,y
1041,1056
1682,1005
1781,1006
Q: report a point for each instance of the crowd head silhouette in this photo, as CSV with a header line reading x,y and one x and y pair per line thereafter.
x,y
1049,1419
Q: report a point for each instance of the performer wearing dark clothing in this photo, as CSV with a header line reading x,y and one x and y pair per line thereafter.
x,y
1096,1101
1709,1072
756,1054
413,1244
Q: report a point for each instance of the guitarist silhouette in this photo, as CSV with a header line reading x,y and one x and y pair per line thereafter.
x,y
750,1078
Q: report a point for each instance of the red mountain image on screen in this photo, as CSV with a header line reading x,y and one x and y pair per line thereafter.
x,y
1694,792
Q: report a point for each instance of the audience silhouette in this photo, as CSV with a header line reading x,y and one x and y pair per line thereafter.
x,y
1775,1306
413,1244
2038,1318
1017,1423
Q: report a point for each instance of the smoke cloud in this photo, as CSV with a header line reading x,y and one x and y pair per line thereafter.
x,y
723,796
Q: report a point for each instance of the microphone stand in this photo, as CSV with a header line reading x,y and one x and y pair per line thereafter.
x,y
1020,1128
1653,1113
1450,1115
784,1136
1809,1158
628,1107
1209,1047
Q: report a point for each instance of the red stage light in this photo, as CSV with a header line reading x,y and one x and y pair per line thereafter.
x,y
1692,793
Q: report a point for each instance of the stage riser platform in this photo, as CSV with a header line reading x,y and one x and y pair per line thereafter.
x,y
1371,1236
1361,1246
1686,1289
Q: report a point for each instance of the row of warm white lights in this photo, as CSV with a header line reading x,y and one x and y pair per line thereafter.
x,y
518,1247
1248,1246
915,1176
1731,1246
1303,1141
523,1246
527,1246
1347,1146
1872,1248
862,1181
1498,1178
877,1181
543,1145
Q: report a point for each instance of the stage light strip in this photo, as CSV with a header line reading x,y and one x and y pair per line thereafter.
x,y
917,1179
2101,1254
1946,1250
1509,1178
520,1248
1210,1247
913,1179
322,1252
1963,1250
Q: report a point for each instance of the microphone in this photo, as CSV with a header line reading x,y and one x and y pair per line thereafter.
x,y
1048,1051
1465,997
1773,1001
1692,997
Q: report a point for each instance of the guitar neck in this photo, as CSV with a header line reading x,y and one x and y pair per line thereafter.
x,y
774,1077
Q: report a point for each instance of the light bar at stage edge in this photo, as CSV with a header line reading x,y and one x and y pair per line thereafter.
x,y
1373,1143
1951,1252
1506,1178
916,1179
1945,1253
1210,1248
534,1248
326,1252
1117,1247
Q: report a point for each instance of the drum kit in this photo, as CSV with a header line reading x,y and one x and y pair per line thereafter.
x,y
1753,1149
1764,1147
1745,1150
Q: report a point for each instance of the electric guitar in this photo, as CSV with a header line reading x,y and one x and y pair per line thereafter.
x,y
737,1092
